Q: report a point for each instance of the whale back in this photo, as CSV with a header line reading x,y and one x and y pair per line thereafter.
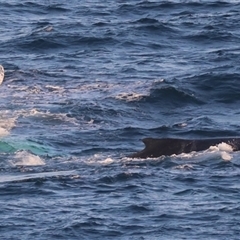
x,y
155,147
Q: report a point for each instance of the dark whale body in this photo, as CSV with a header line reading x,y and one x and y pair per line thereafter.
x,y
155,147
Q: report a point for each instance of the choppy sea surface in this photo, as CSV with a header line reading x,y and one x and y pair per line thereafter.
x,y
84,82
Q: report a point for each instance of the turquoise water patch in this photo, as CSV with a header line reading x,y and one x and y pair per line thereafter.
x,y
12,145
6,148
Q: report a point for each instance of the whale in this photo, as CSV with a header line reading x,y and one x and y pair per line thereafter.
x,y
156,147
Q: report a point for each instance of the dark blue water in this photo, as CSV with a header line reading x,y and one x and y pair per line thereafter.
x,y
85,81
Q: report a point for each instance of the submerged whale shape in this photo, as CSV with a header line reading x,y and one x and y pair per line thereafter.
x,y
155,147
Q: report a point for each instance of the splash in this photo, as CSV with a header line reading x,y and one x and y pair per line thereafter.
x,y
107,161
225,147
225,156
24,158
221,149
224,150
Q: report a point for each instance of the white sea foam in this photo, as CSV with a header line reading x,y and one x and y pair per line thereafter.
x,y
54,88
99,159
106,161
136,90
98,85
185,155
7,122
61,117
24,158
184,167
3,132
1,74
129,159
130,97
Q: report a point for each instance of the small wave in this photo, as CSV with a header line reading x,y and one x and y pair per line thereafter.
x,y
94,41
57,8
121,177
137,208
146,6
41,44
171,95
38,176
222,87
153,26
135,91
210,35
147,21
36,8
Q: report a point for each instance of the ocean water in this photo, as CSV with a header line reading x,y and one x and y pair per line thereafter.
x,y
84,82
